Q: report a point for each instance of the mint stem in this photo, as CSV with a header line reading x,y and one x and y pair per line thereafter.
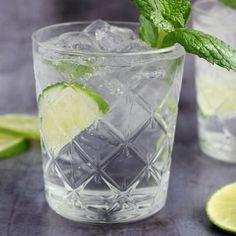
x,y
161,36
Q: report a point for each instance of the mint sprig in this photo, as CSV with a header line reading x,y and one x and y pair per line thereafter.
x,y
151,9
148,32
166,15
205,46
229,3
163,23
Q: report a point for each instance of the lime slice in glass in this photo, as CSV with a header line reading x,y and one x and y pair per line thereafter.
x,y
11,145
221,208
216,98
65,110
25,126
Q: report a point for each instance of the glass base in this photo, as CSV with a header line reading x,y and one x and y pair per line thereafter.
x,y
97,207
217,145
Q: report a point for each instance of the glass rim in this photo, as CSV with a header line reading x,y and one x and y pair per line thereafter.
x,y
73,52
197,9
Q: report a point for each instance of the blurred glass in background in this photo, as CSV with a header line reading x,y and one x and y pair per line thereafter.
x,y
216,87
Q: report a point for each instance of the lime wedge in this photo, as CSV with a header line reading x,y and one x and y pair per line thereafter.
x,y
25,126
221,208
216,97
65,110
11,145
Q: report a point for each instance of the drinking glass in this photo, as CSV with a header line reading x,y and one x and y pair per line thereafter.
x,y
116,167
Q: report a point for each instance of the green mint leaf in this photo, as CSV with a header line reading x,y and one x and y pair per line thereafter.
x,y
147,31
162,24
151,9
229,3
205,46
70,69
176,11
166,15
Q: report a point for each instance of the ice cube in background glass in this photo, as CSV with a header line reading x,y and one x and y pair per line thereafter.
x,y
230,127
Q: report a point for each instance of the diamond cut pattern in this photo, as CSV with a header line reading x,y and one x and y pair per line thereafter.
x,y
147,180
146,89
127,162
73,166
52,175
146,141
114,170
96,143
125,119
126,150
99,155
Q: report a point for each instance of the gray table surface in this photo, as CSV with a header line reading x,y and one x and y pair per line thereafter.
x,y
23,209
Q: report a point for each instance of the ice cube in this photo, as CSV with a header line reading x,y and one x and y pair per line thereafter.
x,y
100,36
106,40
112,38
229,124
122,33
133,46
96,25
76,41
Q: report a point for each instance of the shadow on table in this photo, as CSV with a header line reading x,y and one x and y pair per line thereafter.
x,y
159,224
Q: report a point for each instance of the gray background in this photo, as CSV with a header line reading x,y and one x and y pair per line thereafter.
x,y
20,18
23,210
